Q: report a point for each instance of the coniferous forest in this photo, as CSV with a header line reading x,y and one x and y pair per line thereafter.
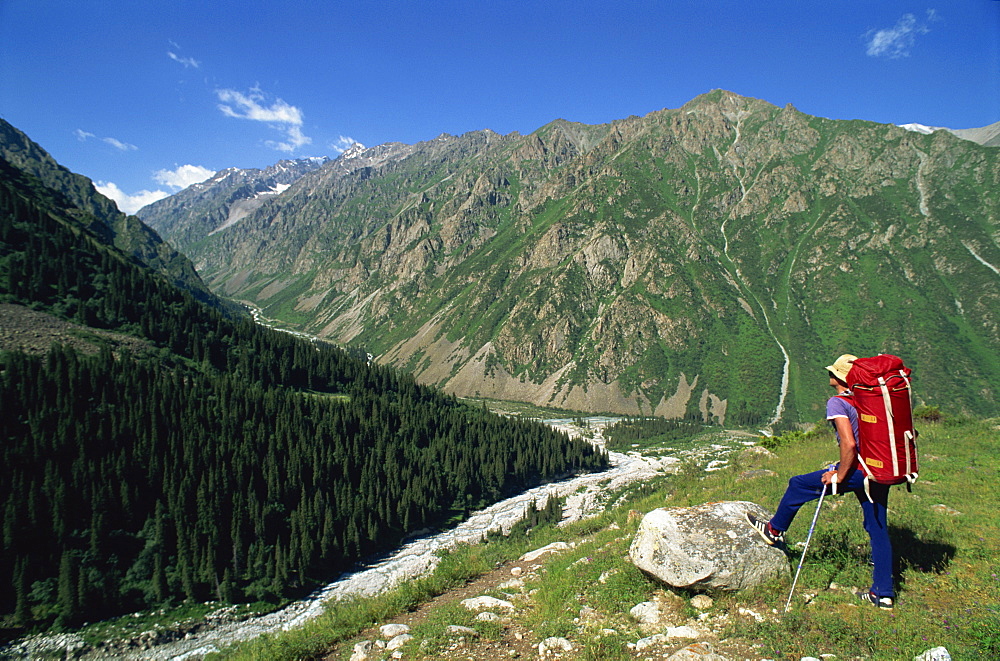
x,y
228,461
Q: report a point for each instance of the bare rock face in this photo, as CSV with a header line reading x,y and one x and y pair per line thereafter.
x,y
708,547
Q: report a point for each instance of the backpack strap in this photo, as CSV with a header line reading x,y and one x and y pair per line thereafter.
x,y
890,419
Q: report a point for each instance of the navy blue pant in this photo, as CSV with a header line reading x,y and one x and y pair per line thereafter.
x,y
804,488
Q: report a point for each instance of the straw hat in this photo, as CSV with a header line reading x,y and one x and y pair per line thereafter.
x,y
842,366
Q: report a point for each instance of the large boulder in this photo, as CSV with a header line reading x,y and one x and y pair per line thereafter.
x,y
707,547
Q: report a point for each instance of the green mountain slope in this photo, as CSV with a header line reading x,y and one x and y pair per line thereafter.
x,y
103,218
218,460
704,261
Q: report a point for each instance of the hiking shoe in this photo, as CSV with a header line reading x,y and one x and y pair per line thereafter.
x,y
867,597
763,528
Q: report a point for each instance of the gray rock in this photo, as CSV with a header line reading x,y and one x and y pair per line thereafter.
x,y
485,602
393,630
487,616
398,641
554,547
362,650
645,643
710,546
512,584
935,654
696,652
646,613
554,644
458,630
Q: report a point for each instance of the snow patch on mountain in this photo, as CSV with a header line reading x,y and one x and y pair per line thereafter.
x,y
353,151
920,128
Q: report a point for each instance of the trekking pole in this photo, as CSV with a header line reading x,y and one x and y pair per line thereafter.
x,y
812,527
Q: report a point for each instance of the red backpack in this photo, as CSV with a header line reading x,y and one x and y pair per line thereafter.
x,y
887,448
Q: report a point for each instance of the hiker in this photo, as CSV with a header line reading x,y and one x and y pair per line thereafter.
x,y
848,476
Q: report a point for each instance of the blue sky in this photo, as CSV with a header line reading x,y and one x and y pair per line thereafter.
x,y
146,97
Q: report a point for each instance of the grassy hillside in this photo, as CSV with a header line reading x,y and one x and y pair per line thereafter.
x,y
944,533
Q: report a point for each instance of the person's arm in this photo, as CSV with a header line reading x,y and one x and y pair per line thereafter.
x,y
848,450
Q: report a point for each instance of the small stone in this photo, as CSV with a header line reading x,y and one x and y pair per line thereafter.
x,y
682,632
519,635
649,641
646,613
696,652
754,614
393,630
484,603
458,630
361,650
398,641
554,643
487,616
516,571
934,654
702,602
554,547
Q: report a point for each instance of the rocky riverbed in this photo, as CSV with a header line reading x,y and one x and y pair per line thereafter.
x,y
585,495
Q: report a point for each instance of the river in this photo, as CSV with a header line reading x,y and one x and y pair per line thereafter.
x,y
585,496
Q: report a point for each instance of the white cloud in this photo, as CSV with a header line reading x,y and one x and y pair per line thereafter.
x,y
183,176
83,136
897,42
295,140
186,61
342,144
119,145
255,106
128,203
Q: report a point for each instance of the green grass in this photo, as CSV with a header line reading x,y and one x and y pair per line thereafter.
x,y
947,574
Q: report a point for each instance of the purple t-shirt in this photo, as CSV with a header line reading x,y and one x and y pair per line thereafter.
x,y
838,407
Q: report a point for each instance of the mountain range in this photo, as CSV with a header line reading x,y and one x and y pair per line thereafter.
x,y
224,199
704,261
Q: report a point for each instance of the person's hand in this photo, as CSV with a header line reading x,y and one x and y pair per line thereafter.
x,y
829,477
